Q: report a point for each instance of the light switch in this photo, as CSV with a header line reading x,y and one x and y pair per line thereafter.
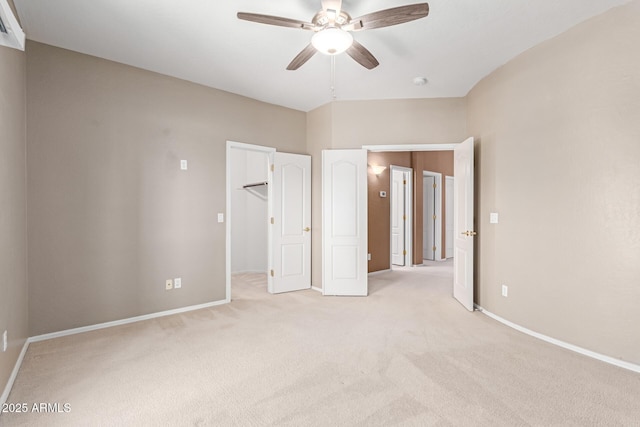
x,y
183,165
220,217
493,218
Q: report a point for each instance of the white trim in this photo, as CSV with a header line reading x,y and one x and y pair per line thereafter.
x,y
317,289
14,373
601,357
250,272
242,146
411,147
373,273
98,326
14,37
408,211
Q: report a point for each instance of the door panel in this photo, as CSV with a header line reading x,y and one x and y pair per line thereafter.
x,y
344,222
463,224
398,216
290,263
428,221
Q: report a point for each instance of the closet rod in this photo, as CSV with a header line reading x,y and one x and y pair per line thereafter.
x,y
257,184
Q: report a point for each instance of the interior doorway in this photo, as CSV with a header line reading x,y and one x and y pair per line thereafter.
x,y
247,210
411,156
268,217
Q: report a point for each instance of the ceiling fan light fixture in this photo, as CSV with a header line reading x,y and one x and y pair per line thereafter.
x,y
332,41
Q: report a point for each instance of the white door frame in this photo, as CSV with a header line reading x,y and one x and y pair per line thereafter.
x,y
449,200
249,147
408,223
437,208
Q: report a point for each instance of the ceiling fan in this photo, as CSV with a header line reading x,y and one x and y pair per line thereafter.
x,y
333,26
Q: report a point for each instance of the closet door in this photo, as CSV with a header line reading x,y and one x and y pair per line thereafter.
x,y
290,223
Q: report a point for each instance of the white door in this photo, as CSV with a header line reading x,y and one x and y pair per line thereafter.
x,y
428,218
463,216
448,213
290,223
344,222
398,217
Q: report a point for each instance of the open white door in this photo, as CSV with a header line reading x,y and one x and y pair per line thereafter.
x,y
398,217
344,222
290,222
463,214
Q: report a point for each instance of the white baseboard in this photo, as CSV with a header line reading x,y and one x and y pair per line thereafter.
x,y
601,357
82,329
373,273
317,289
14,373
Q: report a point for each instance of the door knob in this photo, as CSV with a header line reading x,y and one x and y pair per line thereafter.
x,y
469,233
307,229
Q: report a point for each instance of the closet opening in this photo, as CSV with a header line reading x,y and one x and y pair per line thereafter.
x,y
247,214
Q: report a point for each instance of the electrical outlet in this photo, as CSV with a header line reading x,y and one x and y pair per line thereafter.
x,y
505,291
4,341
177,283
168,285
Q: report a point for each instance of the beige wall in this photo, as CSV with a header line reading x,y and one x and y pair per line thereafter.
x,y
13,232
111,216
559,160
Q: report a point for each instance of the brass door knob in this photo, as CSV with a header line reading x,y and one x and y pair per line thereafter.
x,y
469,233
307,229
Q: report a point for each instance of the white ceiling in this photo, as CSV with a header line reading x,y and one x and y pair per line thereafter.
x,y
202,41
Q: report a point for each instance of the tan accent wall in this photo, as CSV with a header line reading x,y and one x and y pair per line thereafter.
x,y
379,208
13,198
111,215
433,161
558,158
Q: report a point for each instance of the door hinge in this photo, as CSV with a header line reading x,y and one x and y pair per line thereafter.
x,y
434,249
434,217
404,217
404,252
272,273
434,185
273,168
404,181
273,221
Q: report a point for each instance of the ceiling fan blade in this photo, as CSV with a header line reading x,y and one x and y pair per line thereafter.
x,y
275,20
388,17
362,56
302,57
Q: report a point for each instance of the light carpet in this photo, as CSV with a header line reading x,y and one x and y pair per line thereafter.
x,y
408,354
